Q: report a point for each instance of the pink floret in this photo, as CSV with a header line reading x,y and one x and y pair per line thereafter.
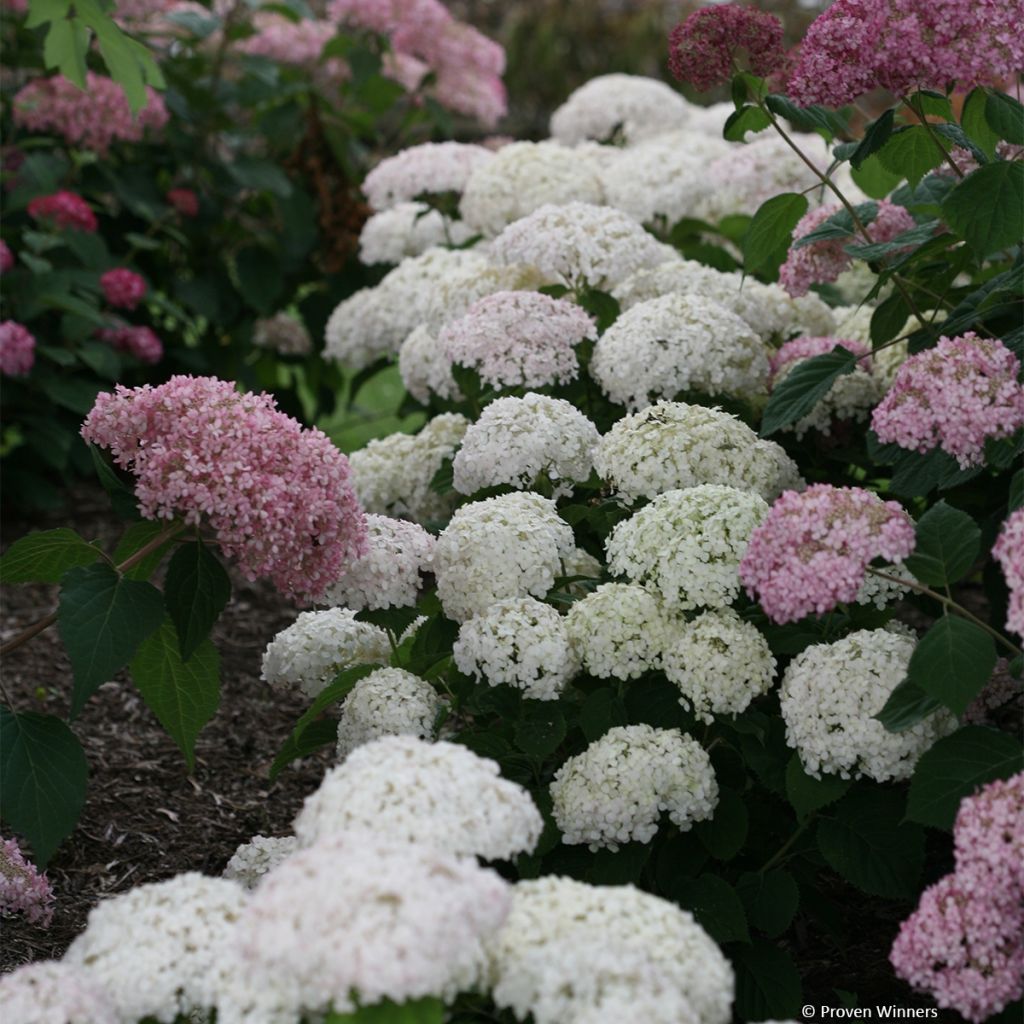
x,y
140,342
17,349
122,288
1008,551
23,889
65,210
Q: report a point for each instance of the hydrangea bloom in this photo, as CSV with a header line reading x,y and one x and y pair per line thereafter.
x,y
64,210
291,42
675,344
618,631
720,664
540,960
277,495
1001,691
521,642
440,795
17,349
408,229
988,838
387,702
425,369
686,545
282,333
122,288
50,990
829,696
517,441
580,244
955,396
252,860
92,118
1008,551
813,550
140,342
184,201
23,890
616,790
671,445
6,257
509,546
518,338
310,652
433,168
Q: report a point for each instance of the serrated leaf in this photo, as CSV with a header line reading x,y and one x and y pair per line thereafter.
x,y
987,207
768,238
875,137
121,498
724,835
947,543
912,152
134,539
888,319
952,662
771,900
767,982
1005,117
974,122
45,556
905,240
827,123
873,179
716,906
746,119
907,705
803,387
196,591
808,794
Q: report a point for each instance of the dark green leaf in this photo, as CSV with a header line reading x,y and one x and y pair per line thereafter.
x,y
803,387
876,136
717,908
196,591
906,240
262,175
601,711
873,179
767,239
947,544
952,662
45,556
767,982
1016,491
1006,117
931,104
987,208
134,539
602,306
540,730
888,319
808,794
623,866
746,119
771,900
907,705
912,152
724,835
974,122
259,278
827,123
121,498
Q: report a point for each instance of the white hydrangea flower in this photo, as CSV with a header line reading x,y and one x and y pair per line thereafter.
x,y
363,328
436,794
54,992
829,695
516,441
580,244
523,176
672,445
425,369
408,229
318,645
853,323
807,315
618,631
616,790
617,107
252,860
388,575
392,475
157,949
358,918
435,168
675,344
720,664
710,119
282,333
509,546
882,593
542,955
582,563
686,545
522,642
387,702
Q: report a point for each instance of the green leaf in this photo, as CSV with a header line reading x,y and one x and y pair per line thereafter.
x,y
767,982
196,591
601,711
45,556
768,238
102,619
716,906
912,152
121,498
888,319
183,696
43,777
419,1011
955,767
869,844
1016,498
803,387
931,104
876,136
101,359
839,225
909,239
907,705
259,278
746,119
808,794
952,662
262,175
827,123
600,305
1006,117
65,49
724,835
771,900
540,730
975,123
947,544
873,179
986,209
136,537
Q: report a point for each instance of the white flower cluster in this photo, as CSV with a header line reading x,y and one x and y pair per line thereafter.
x,y
434,168
310,652
720,664
408,229
672,445
54,992
880,592
516,441
387,702
252,860
523,176
542,962
686,545
509,546
157,950
678,343
829,695
616,790
437,794
424,367
580,244
617,107
388,575
284,334
522,642
392,475
618,631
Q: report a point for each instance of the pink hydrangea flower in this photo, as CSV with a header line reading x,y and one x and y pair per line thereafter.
x,y
92,118
813,549
805,347
703,49
954,396
23,889
123,288
1008,551
290,42
823,261
277,496
6,257
988,839
185,201
17,349
65,210
140,342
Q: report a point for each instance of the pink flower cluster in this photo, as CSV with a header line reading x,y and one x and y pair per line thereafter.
x,y
122,288
290,42
65,210
823,261
1008,551
22,888
965,942
277,496
954,396
140,342
185,201
92,118
17,349
903,45
813,549
806,347
704,50
6,257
